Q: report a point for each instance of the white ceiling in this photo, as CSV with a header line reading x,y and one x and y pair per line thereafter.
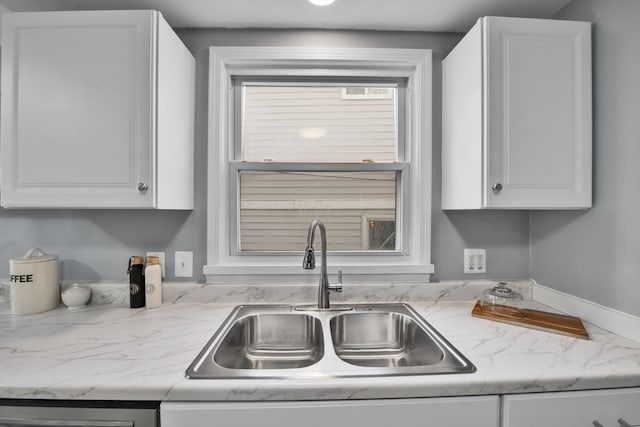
x,y
403,15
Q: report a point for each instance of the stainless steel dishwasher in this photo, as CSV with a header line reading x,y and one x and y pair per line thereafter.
x,y
76,413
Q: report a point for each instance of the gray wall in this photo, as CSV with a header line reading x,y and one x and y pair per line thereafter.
x,y
95,245
596,254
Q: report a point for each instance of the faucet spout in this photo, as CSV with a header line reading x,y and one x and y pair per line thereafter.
x,y
309,263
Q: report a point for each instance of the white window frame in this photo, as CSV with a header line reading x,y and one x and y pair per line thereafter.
x,y
413,263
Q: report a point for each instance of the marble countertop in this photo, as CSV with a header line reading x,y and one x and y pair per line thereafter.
x,y
109,351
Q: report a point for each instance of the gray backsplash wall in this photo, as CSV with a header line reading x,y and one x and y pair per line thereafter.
x,y
94,245
595,254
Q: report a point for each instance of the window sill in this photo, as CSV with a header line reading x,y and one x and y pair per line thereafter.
x,y
410,273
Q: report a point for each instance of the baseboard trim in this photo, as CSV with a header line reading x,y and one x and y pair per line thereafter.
x,y
612,320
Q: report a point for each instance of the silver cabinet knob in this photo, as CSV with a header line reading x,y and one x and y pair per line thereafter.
x,y
142,186
497,187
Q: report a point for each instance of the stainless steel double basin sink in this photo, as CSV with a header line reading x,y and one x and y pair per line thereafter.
x,y
283,341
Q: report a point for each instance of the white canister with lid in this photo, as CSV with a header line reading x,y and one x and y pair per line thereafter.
x,y
34,282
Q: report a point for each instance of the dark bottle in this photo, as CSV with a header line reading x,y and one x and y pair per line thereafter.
x,y
136,282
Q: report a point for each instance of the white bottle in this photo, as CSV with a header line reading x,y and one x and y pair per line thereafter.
x,y
153,282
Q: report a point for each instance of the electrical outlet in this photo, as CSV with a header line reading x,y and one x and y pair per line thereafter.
x,y
184,263
160,255
481,261
469,261
475,261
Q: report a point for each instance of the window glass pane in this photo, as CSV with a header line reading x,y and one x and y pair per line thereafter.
x,y
382,234
276,209
334,124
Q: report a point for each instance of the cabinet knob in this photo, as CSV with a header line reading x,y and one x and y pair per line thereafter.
x,y
597,424
623,423
497,187
142,187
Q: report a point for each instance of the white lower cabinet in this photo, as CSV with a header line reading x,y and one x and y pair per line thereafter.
x,y
606,408
609,408
482,411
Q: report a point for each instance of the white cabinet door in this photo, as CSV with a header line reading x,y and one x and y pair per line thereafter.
x,y
538,113
435,412
79,109
572,409
517,116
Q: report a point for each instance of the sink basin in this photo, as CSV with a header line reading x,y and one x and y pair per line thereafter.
x,y
282,341
271,341
383,339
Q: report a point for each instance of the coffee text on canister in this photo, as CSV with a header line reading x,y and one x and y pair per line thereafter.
x,y
21,278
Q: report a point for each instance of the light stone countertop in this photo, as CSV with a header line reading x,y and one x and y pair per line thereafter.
x,y
112,352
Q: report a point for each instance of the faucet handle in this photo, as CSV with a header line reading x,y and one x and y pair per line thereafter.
x,y
338,286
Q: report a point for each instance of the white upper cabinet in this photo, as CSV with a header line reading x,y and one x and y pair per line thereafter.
x,y
517,116
97,111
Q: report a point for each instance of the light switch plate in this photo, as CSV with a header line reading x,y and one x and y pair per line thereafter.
x,y
184,264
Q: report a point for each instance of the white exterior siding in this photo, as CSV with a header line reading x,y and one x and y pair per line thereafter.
x,y
277,208
301,124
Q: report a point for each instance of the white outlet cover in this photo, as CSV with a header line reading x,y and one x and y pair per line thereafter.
x,y
475,261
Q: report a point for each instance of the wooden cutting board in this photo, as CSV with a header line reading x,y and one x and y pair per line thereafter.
x,y
534,319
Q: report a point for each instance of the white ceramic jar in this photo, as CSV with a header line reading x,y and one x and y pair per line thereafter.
x,y
34,282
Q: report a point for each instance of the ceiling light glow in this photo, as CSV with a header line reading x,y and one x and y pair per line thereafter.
x,y
322,2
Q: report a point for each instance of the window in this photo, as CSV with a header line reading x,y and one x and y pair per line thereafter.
x,y
308,124
337,134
